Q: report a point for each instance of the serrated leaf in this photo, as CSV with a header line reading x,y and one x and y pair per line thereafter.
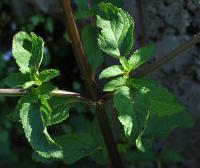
x,y
36,132
16,79
114,84
77,146
48,74
21,50
37,51
132,109
127,122
90,44
60,110
112,71
164,112
141,56
162,101
116,36
162,126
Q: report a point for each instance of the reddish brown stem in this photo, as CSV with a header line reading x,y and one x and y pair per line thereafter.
x,y
148,68
91,84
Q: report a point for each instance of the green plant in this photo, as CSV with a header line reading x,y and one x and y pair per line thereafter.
x,y
145,109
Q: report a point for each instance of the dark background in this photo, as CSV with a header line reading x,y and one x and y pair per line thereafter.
x,y
167,23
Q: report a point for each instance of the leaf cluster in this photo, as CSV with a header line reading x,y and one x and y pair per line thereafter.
x,y
145,109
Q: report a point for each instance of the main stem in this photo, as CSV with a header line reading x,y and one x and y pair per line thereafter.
x,y
90,84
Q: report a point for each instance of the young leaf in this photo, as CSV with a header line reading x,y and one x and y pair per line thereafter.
x,y
21,50
125,64
16,79
90,44
116,36
36,132
48,74
77,146
114,84
141,56
112,71
29,84
37,51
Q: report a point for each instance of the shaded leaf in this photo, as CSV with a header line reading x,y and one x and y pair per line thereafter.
x,y
77,146
90,44
16,79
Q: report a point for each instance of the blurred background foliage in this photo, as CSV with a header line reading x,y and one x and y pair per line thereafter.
x,y
34,16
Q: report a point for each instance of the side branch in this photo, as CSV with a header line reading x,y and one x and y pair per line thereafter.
x,y
55,93
147,68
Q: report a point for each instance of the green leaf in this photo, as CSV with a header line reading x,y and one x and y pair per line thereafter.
x,y
124,62
165,112
162,101
77,146
37,51
139,144
162,126
116,36
114,84
46,88
141,56
21,50
60,110
127,122
45,110
90,44
48,74
83,10
36,132
132,109
112,71
16,80
29,84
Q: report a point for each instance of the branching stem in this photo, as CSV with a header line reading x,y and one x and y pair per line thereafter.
x,y
57,93
147,68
